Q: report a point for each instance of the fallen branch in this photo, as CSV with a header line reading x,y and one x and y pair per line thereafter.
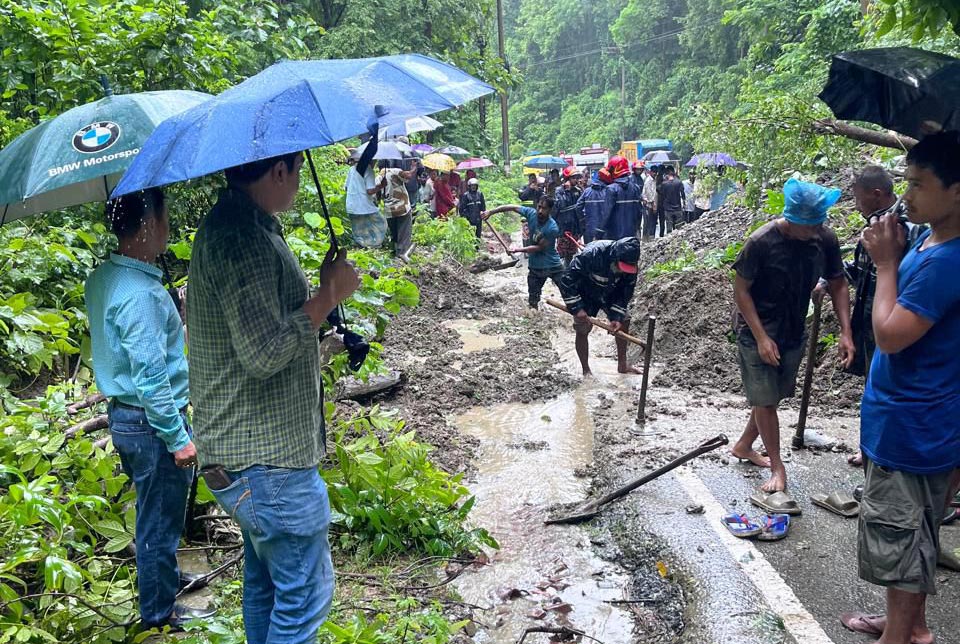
x,y
87,426
76,598
556,630
86,403
862,134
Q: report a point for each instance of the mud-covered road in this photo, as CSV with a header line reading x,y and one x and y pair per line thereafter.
x,y
497,389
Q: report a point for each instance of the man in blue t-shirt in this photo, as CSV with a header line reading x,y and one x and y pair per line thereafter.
x,y
909,433
541,245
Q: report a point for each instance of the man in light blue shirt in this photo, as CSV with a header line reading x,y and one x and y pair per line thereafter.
x,y
138,357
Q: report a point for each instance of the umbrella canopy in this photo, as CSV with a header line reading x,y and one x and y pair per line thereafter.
x,y
453,151
293,106
394,150
659,156
79,156
474,164
440,162
912,91
545,161
712,159
415,124
423,148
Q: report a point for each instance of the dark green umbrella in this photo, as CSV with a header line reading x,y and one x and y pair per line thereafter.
x,y
79,156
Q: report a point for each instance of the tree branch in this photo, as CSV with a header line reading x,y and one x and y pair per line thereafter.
x,y
862,134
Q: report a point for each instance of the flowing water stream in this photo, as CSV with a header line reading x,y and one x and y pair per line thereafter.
x,y
531,457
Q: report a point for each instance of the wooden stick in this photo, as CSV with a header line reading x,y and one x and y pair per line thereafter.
x,y
600,323
499,239
647,358
808,373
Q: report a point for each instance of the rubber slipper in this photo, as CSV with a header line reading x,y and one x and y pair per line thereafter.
x,y
740,525
858,623
952,515
775,502
837,502
775,527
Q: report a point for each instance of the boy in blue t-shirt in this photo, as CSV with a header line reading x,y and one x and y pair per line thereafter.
x,y
909,432
540,244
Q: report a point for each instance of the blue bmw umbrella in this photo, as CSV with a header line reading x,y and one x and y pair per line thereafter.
x,y
544,162
297,105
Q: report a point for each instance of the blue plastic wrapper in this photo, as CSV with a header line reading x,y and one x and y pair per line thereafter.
x,y
807,203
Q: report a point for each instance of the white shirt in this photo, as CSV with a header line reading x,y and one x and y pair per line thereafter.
x,y
359,202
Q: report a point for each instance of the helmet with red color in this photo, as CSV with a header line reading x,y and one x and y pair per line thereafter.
x,y
618,166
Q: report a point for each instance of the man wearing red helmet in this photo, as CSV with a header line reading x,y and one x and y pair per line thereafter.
x,y
622,207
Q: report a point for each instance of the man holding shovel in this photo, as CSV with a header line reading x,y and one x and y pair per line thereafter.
x,y
541,245
777,269
603,276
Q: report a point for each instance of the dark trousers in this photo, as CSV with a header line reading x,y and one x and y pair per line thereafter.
x,y
162,488
649,222
661,217
536,278
400,233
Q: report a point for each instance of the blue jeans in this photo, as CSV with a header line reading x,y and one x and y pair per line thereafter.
x,y
162,490
288,572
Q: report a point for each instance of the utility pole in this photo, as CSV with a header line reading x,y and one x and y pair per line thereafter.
x,y
504,117
623,99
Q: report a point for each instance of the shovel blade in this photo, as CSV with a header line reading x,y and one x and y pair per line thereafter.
x,y
509,264
583,514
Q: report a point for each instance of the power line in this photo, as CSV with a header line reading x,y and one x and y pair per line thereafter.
x,y
601,49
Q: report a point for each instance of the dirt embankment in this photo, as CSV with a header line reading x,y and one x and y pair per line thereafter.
x,y
695,311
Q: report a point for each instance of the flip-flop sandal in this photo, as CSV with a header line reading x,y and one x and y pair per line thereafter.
x,y
837,502
740,525
952,515
858,623
956,500
775,527
775,502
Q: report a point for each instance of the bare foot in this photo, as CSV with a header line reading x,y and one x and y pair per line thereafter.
x,y
753,456
587,372
856,460
629,369
777,481
878,623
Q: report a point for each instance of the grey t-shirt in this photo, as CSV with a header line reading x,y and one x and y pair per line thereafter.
x,y
784,272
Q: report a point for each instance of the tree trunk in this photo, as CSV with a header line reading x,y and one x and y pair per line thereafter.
x,y
89,425
883,139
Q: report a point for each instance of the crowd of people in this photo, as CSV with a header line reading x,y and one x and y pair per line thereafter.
x,y
257,395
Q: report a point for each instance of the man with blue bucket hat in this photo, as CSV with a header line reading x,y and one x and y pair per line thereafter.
x,y
776,271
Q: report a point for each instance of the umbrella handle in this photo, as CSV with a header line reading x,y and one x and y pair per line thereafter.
x,y
334,244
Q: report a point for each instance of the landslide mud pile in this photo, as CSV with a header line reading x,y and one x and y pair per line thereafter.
x,y
695,309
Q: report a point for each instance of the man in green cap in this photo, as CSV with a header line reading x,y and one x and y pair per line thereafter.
x,y
777,270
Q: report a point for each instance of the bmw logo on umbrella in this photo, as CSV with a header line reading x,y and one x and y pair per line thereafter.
x,y
96,137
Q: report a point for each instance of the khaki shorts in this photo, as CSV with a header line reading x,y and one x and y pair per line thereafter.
x,y
763,384
898,536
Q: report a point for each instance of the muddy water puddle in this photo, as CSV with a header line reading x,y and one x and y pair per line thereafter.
x,y
542,575
473,340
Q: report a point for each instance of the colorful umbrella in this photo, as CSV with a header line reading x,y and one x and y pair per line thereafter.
x,y
544,162
440,162
423,148
712,159
297,105
474,164
79,156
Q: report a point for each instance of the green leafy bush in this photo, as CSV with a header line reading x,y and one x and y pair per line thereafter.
x,y
385,490
454,237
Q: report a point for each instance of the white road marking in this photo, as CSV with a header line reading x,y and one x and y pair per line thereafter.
x,y
798,621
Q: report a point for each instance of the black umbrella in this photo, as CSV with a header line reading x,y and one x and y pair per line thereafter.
x,y
911,91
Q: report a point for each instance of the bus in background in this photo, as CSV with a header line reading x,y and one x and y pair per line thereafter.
x,y
633,150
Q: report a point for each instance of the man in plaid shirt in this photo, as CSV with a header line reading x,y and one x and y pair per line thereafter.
x,y
258,397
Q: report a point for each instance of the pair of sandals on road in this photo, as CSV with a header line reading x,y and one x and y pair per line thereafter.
x,y
770,527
